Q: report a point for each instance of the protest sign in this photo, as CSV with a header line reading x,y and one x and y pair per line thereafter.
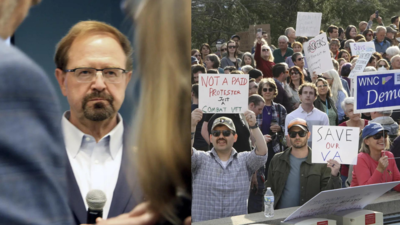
x,y
223,93
360,47
335,142
377,91
308,24
362,61
332,201
318,54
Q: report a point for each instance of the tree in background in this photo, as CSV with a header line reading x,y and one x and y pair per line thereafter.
x,y
220,19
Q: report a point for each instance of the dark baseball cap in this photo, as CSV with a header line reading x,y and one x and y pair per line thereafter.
x,y
235,35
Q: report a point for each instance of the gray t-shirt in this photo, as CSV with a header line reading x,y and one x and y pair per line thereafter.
x,y
291,194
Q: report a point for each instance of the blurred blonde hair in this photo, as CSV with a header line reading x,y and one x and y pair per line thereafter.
x,y
162,122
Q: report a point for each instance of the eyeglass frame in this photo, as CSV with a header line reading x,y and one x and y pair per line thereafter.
x,y
73,70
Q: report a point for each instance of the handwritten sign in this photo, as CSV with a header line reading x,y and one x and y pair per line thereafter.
x,y
335,142
318,54
308,24
362,61
223,93
360,47
332,201
377,91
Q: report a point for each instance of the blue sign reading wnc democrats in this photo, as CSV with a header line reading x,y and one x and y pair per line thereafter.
x,y
376,91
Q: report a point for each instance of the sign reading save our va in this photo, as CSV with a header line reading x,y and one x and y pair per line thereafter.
x,y
377,91
335,142
223,93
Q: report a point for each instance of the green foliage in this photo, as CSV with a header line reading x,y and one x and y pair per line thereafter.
x,y
220,19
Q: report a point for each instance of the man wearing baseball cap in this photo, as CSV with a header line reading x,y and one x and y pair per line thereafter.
x,y
292,177
221,176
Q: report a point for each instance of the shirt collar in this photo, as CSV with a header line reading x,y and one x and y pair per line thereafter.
x,y
233,153
302,110
73,137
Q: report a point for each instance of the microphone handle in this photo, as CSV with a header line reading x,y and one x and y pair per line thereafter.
x,y
92,215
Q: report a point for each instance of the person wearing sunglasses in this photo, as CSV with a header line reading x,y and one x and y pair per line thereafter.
x,y
313,178
374,163
299,61
196,53
368,34
263,57
231,58
297,47
272,119
296,78
382,64
210,190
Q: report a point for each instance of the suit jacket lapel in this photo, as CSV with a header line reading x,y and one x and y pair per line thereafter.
x,y
75,200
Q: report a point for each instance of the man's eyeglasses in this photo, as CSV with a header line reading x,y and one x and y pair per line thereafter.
x,y
299,59
378,136
231,46
87,75
226,133
321,86
265,49
293,134
268,89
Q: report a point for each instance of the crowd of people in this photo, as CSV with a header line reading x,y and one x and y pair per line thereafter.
x,y
285,101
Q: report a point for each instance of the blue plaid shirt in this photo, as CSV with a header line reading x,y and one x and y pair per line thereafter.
x,y
222,192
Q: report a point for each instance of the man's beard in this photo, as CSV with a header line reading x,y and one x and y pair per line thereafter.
x,y
99,111
301,144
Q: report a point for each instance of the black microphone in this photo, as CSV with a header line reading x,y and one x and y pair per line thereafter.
x,y
96,199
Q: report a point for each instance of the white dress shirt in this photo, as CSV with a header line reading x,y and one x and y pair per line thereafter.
x,y
95,165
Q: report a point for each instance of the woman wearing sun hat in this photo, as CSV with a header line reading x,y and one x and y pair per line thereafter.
x,y
374,164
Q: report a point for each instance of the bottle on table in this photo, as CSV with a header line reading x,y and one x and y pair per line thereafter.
x,y
269,203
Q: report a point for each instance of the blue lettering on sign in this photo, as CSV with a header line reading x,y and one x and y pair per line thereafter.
x,y
378,91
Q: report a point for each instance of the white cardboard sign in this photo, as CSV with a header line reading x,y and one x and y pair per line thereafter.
x,y
335,142
223,93
362,61
308,24
360,47
318,54
332,201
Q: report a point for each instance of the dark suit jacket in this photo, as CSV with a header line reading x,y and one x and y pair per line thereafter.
x,y
33,160
282,98
126,194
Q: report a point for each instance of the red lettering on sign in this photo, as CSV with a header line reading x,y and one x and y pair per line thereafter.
x,y
370,219
332,145
225,81
323,223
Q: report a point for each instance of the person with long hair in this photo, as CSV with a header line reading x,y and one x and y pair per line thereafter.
x,y
338,92
196,53
231,58
248,59
272,119
375,164
165,117
324,101
344,54
264,57
205,49
296,78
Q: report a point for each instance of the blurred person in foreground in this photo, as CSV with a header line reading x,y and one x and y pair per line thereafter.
x,y
33,160
374,163
164,171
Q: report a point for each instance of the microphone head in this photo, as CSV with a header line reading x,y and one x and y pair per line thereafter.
x,y
96,199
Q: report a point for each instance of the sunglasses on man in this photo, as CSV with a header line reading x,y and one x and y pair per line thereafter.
x,y
293,134
225,133
299,59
